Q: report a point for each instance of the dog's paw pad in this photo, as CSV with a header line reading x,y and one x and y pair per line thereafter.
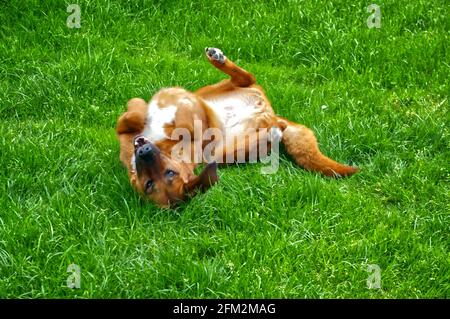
x,y
215,54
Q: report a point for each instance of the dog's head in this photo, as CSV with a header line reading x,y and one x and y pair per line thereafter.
x,y
164,180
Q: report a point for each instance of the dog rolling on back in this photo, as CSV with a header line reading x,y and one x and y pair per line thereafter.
x,y
236,108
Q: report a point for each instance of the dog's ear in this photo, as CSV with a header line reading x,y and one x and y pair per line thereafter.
x,y
204,180
133,120
130,122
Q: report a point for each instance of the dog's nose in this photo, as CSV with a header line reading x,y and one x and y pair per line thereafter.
x,y
146,152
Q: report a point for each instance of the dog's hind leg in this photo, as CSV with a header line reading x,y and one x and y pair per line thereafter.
x,y
301,143
239,77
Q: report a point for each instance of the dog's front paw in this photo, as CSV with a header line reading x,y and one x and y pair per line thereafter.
x,y
215,54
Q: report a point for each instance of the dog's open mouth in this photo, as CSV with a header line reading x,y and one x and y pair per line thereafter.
x,y
139,141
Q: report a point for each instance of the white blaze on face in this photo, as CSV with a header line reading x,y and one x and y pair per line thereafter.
x,y
157,118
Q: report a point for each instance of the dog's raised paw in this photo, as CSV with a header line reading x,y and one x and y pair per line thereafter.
x,y
215,54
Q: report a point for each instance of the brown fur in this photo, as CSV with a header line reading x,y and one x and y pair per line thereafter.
x,y
301,144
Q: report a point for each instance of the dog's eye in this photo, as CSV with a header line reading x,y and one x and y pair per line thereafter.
x,y
170,174
149,186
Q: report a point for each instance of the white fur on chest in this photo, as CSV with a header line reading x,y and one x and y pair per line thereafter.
x,y
233,111
156,120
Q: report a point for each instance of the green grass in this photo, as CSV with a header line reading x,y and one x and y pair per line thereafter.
x,y
65,198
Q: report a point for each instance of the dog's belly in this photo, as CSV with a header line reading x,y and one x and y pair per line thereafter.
x,y
239,110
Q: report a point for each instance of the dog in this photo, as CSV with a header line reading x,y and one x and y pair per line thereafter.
x,y
236,107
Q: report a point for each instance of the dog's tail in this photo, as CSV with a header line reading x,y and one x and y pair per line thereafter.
x,y
301,144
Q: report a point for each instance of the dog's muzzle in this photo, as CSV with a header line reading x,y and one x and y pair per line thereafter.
x,y
145,150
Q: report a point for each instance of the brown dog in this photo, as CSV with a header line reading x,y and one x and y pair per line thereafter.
x,y
236,108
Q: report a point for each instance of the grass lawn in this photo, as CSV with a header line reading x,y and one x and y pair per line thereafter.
x,y
377,98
